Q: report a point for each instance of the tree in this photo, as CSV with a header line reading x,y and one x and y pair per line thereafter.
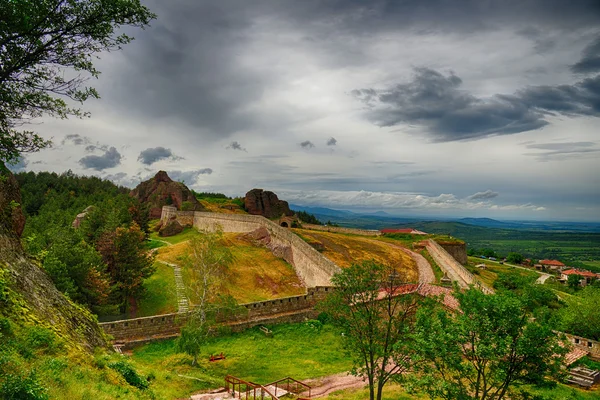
x,y
483,350
376,322
208,261
128,263
574,281
581,316
514,258
45,47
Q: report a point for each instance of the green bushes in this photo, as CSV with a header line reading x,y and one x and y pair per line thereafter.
x,y
19,387
129,374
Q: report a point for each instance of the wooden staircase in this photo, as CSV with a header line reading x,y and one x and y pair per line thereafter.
x,y
584,377
286,387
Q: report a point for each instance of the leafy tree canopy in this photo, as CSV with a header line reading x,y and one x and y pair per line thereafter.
x,y
47,48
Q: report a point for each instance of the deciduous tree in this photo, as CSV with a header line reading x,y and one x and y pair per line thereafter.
x,y
376,322
47,48
483,350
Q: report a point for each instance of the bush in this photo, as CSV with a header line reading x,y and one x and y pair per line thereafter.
x,y
17,387
129,374
41,338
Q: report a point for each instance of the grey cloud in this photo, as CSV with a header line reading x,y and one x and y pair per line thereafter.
x,y
564,150
76,139
154,154
110,159
235,145
436,102
332,142
93,147
590,60
487,195
189,177
307,144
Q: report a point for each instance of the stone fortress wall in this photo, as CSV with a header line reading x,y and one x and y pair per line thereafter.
x,y
310,265
286,309
338,229
455,271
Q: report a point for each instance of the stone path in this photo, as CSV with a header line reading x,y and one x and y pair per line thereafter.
x,y
542,278
426,274
183,302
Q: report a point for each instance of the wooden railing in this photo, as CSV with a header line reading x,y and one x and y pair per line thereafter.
x,y
290,385
250,390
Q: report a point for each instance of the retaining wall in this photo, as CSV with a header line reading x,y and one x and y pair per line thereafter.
x,y
337,229
287,309
455,271
458,251
310,265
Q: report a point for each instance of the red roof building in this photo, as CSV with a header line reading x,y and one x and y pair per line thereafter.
x,y
402,230
551,263
586,276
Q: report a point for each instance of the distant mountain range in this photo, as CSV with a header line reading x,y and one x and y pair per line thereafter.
x,y
382,219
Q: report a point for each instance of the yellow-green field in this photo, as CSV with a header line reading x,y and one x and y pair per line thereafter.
x,y
345,250
256,274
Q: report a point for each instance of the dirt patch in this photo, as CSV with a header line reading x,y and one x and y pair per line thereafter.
x,y
324,386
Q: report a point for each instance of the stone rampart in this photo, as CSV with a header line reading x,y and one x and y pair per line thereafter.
x,y
455,271
589,345
310,265
458,251
338,229
287,309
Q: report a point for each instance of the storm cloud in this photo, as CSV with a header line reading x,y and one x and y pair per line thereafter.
x,y
590,61
110,159
447,113
154,154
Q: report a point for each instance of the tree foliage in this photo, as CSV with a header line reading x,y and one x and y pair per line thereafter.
x,y
47,48
581,316
484,350
208,261
376,322
308,218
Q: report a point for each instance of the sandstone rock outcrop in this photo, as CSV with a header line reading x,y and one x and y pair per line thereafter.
x,y
12,220
265,203
81,216
170,228
162,190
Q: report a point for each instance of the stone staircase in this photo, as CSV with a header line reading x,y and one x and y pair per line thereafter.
x,y
584,377
183,304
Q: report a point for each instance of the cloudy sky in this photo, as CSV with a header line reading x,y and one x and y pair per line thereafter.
x,y
415,107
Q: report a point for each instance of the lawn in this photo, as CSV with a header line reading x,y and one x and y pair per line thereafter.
x,y
300,351
489,275
187,234
160,295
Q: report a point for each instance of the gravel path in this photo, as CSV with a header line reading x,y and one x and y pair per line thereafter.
x,y
426,274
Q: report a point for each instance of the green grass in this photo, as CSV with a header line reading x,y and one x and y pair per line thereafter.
x,y
187,234
489,275
296,350
161,295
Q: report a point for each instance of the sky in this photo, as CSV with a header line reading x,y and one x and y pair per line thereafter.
x,y
416,107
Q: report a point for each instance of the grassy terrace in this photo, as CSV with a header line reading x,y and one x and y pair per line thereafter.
x,y
160,293
489,275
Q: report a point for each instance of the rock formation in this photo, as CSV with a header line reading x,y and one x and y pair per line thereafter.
x,y
29,287
265,203
161,191
81,216
170,228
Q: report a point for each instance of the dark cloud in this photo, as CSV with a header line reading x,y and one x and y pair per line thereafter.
x,y
563,151
235,145
110,159
590,60
76,139
436,102
332,142
307,144
189,177
154,154
93,147
487,195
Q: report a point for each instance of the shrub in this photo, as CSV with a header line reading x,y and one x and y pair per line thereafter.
x,y
42,338
129,374
17,387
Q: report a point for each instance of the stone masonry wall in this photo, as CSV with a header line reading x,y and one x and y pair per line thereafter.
x,y
287,309
310,265
457,250
337,229
453,269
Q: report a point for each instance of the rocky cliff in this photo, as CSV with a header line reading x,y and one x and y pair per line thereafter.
x,y
163,191
265,203
27,295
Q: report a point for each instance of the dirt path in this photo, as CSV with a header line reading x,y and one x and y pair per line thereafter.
x,y
426,274
322,387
